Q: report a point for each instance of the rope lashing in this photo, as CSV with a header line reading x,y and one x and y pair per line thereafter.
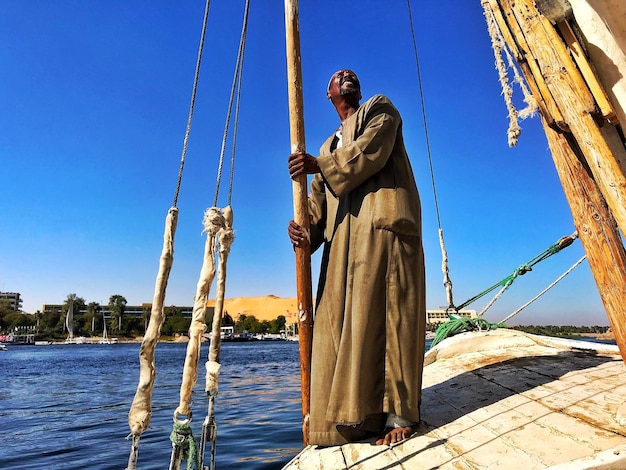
x,y
458,324
213,221
505,283
186,447
209,428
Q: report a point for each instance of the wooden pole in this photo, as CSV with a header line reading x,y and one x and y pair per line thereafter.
x,y
574,100
588,167
301,210
596,228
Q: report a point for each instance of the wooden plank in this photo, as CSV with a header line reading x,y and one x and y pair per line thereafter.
x,y
605,107
504,411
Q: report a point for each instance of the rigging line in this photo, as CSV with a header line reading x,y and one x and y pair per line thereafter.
x,y
419,83
575,265
235,127
447,282
237,75
192,104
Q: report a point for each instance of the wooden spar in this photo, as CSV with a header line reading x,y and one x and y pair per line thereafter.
x,y
587,164
574,100
301,210
596,228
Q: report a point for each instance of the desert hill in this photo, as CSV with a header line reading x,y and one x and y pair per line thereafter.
x,y
263,308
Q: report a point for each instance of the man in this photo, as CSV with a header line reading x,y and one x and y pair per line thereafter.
x,y
369,329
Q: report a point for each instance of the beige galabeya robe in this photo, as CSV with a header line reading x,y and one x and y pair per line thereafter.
x,y
369,329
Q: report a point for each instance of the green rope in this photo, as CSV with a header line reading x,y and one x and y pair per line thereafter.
x,y
459,324
182,436
524,268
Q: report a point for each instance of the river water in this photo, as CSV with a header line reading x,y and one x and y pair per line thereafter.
x,y
66,406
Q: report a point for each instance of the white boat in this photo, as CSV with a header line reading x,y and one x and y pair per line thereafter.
x,y
3,347
505,399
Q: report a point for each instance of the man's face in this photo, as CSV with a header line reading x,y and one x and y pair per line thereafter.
x,y
343,83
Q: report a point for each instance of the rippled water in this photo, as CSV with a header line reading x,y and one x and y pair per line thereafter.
x,y
66,406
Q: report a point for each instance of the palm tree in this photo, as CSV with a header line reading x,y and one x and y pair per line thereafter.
x,y
116,307
92,312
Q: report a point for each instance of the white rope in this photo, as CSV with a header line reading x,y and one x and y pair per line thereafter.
x,y
447,282
498,295
499,47
141,408
545,290
213,222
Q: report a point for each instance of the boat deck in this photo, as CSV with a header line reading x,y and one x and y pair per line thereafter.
x,y
515,401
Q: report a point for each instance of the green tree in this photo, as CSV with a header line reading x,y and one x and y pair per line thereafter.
x,y
117,303
93,317
278,324
175,322
145,315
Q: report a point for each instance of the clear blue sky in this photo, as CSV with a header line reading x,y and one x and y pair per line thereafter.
x,y
94,102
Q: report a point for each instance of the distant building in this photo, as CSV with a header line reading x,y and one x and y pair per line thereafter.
x,y
443,315
14,298
129,310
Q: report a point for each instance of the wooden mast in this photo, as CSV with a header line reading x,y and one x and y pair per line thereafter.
x,y
588,166
301,209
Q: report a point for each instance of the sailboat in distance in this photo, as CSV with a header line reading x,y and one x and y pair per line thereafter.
x,y
105,337
69,325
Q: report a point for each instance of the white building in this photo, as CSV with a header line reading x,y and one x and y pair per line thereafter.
x,y
443,315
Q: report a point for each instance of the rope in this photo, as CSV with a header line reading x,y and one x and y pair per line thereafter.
x,y
499,47
141,408
458,325
562,243
545,290
447,282
186,445
213,221
192,104
236,85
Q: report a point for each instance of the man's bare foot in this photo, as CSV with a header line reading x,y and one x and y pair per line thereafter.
x,y
395,435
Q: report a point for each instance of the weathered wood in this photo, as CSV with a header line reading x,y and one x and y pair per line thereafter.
x,y
574,101
301,210
596,228
527,63
589,170
606,110
517,54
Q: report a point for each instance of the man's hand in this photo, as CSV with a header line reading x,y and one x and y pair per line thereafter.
x,y
296,234
302,164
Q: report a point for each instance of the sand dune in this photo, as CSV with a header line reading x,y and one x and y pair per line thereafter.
x,y
263,308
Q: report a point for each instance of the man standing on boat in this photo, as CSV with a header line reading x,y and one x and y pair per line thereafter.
x,y
369,329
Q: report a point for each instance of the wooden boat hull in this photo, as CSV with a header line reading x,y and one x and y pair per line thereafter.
x,y
505,399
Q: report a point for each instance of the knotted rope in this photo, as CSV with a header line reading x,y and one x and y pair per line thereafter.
x,y
458,325
182,439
